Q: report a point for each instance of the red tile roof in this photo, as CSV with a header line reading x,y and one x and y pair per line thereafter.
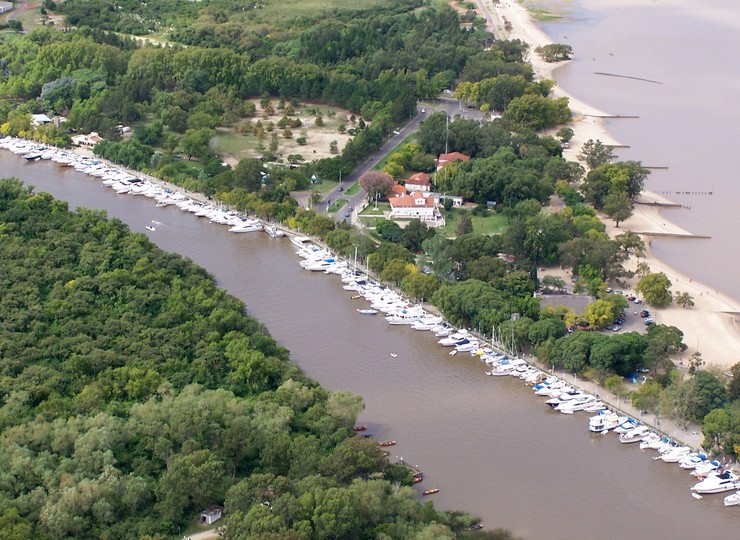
x,y
412,201
419,179
452,156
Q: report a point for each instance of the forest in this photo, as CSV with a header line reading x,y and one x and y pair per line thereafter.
x,y
136,394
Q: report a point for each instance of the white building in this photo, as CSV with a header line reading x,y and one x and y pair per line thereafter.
x,y
89,140
416,205
211,515
39,119
5,7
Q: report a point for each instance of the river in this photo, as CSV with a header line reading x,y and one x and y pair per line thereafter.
x,y
491,446
686,105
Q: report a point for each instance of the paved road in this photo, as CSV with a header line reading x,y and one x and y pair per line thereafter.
x,y
449,105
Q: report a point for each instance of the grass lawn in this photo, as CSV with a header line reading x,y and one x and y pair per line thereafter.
x,y
379,166
227,141
336,205
493,224
354,188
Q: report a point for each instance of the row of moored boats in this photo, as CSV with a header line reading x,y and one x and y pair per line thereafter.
x,y
123,182
561,396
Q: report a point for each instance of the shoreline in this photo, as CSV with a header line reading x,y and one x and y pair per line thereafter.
x,y
712,325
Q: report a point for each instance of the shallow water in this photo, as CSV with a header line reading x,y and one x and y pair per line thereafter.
x,y
688,118
491,446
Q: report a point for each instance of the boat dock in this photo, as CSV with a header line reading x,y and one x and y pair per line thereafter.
x,y
416,473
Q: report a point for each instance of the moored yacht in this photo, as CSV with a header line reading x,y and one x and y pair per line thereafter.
x,y
605,422
634,435
717,483
732,500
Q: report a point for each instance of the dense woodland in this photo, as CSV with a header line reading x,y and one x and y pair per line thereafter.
x,y
135,394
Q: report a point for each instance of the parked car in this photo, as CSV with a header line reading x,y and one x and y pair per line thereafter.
x,y
644,313
649,321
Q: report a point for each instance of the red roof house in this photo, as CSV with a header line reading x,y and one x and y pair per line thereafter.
x,y
444,159
419,182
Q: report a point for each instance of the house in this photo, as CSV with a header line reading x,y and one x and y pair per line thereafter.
x,y
419,182
452,157
211,515
5,7
40,119
397,190
89,140
416,205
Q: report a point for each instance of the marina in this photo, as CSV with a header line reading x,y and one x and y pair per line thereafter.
x,y
479,422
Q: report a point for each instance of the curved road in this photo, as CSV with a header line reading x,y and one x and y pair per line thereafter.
x,y
449,105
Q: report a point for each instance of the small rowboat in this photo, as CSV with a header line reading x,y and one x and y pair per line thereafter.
x,y
360,428
387,443
430,491
394,355
150,228
355,297
367,311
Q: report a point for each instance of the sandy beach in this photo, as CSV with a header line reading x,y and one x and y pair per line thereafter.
x,y
711,326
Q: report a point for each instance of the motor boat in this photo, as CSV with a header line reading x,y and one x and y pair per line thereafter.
x,y
596,406
634,435
628,425
578,403
653,441
691,460
675,454
704,468
568,394
732,500
452,339
717,483
604,422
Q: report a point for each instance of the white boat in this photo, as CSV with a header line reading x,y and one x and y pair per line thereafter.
x,y
567,394
634,435
628,425
596,406
300,241
655,441
732,500
249,225
705,468
451,339
605,422
274,232
691,460
576,404
367,311
717,483
150,228
675,454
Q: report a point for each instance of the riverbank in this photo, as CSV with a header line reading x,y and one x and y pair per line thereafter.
x,y
712,325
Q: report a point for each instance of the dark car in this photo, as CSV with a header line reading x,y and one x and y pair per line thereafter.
x,y
346,214
644,313
341,188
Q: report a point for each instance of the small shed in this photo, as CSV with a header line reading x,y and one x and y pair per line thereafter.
x,y
211,515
